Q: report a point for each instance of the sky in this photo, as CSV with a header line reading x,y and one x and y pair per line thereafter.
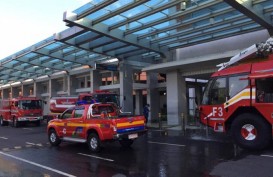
x,y
27,22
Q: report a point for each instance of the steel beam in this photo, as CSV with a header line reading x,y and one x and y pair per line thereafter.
x,y
188,22
174,16
209,39
117,35
146,13
255,12
95,8
58,56
119,11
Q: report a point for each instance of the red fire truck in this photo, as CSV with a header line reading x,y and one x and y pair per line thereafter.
x,y
60,104
239,97
19,110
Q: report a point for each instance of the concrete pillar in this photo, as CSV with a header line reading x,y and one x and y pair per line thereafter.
x,y
95,80
50,88
153,97
176,97
22,90
11,92
126,87
66,85
34,92
138,102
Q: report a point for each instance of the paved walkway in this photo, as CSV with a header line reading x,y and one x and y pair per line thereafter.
x,y
197,132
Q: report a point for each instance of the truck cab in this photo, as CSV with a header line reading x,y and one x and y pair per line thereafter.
x,y
94,124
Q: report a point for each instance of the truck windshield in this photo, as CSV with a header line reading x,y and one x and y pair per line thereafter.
x,y
30,104
218,90
205,99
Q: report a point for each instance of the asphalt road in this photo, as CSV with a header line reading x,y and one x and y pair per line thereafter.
x,y
25,152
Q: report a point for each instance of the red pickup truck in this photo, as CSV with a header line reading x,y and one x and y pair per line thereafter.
x,y
94,124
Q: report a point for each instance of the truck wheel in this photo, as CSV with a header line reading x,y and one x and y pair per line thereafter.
x,y
53,138
15,123
38,123
251,131
94,143
126,142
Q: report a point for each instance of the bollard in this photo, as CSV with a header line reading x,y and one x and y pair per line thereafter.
x,y
183,122
159,121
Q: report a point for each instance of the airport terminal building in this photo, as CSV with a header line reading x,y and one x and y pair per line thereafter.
x,y
160,52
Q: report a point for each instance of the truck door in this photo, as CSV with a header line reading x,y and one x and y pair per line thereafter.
x,y
75,125
215,95
63,122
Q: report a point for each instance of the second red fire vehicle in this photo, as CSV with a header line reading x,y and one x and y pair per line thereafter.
x,y
239,97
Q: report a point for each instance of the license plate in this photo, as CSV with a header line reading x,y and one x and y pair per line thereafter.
x,y
132,136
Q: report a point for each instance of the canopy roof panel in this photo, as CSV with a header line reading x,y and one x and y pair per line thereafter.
x,y
142,31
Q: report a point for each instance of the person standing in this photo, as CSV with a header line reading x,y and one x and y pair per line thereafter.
x,y
146,111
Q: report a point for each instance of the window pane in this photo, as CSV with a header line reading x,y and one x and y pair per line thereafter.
x,y
236,85
219,91
78,113
205,99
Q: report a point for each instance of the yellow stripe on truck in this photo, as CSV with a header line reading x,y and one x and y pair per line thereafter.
x,y
80,125
57,123
245,94
73,124
125,124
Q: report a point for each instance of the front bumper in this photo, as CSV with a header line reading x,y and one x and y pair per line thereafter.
x,y
30,119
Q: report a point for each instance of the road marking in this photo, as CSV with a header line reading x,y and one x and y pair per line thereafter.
x,y
17,147
267,156
34,144
38,165
180,145
110,160
3,138
39,145
30,143
5,149
27,128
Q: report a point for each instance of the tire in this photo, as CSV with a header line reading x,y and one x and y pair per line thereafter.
x,y
38,123
251,131
126,143
53,138
94,143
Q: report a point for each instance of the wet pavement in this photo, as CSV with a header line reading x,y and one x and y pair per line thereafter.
x,y
194,152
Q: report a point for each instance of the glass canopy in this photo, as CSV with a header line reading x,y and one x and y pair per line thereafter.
x,y
138,31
